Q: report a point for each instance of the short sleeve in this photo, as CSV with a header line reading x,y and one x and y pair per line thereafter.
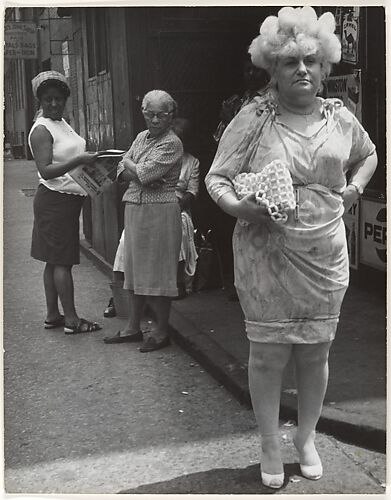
x,y
236,147
362,146
194,180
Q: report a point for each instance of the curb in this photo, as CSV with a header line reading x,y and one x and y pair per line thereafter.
x,y
233,375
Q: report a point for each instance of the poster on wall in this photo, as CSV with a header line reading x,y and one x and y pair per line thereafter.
x,y
350,36
351,220
373,234
348,89
20,40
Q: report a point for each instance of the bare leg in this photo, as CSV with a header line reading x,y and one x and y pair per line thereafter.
x,y
312,372
266,367
136,311
64,284
51,293
161,306
118,276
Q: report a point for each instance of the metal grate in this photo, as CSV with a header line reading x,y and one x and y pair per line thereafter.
x,y
29,192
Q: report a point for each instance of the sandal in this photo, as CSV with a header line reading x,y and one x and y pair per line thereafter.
x,y
48,325
83,326
110,311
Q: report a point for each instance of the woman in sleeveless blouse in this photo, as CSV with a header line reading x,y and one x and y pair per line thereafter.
x,y
57,149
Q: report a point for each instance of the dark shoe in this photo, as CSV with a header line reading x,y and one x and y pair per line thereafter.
x,y
48,325
151,344
83,326
118,339
110,311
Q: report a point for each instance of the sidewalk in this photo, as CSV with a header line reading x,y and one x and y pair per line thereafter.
x,y
210,327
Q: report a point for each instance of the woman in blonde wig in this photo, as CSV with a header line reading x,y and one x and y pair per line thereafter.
x,y
291,268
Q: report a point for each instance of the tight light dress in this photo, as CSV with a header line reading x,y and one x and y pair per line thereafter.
x,y
291,278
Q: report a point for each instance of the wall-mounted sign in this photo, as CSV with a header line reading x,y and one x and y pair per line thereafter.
x,y
350,37
351,220
373,234
20,40
348,89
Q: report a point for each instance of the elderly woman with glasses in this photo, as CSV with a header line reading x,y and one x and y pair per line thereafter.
x,y
291,260
153,228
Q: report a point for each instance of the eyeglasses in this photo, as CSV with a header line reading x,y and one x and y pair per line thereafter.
x,y
162,115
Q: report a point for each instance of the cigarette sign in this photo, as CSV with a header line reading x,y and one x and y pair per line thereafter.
x,y
348,89
20,40
350,37
373,234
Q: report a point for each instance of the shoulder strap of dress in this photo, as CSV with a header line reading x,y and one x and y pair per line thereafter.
x,y
330,106
265,110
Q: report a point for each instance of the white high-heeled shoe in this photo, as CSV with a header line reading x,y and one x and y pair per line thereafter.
x,y
275,481
313,472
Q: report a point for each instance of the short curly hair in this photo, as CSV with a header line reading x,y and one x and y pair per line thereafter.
x,y
161,95
281,35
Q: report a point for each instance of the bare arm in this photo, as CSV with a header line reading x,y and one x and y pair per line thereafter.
x,y
247,208
42,148
360,173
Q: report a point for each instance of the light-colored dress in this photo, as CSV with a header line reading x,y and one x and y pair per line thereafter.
x,y
291,278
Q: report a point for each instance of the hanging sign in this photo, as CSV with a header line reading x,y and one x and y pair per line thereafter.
x,y
20,40
348,89
373,234
350,37
351,220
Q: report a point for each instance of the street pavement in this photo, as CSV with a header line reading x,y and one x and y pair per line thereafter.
x,y
85,417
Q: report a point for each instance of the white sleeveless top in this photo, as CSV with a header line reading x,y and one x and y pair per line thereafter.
x,y
66,144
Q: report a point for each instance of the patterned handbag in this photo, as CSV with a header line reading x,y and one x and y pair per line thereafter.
x,y
273,188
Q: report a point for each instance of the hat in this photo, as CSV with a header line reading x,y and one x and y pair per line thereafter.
x,y
38,80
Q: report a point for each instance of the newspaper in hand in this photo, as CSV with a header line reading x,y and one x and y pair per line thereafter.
x,y
96,177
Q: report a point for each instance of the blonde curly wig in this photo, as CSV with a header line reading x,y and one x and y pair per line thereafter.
x,y
292,29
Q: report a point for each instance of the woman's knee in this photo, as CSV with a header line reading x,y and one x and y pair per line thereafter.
x,y
61,270
266,357
310,354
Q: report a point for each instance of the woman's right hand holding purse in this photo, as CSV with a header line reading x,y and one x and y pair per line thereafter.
x,y
247,209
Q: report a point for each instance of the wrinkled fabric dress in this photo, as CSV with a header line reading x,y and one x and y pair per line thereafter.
x,y
291,278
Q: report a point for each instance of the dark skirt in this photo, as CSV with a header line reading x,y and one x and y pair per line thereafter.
x,y
55,237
